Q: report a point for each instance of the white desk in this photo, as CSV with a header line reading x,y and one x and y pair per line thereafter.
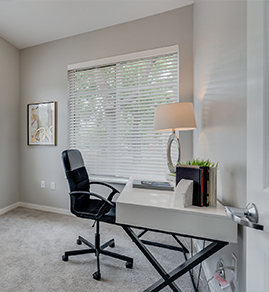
x,y
153,210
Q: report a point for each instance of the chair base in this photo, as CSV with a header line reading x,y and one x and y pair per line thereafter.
x,y
97,250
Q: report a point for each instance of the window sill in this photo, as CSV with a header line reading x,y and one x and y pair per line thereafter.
x,y
109,179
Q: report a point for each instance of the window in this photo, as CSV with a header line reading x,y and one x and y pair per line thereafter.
x,y
111,111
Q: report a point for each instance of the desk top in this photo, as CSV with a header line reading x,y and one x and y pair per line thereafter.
x,y
154,209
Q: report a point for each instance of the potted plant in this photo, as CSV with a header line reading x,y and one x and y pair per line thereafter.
x,y
204,175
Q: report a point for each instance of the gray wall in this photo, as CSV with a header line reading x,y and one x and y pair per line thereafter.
x,y
43,74
9,124
220,106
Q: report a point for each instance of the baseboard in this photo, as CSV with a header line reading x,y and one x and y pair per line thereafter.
x,y
36,207
45,208
9,208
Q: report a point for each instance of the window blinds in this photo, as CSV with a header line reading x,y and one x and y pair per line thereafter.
x,y
111,114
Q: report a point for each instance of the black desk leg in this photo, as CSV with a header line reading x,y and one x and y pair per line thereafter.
x,y
168,279
151,259
189,264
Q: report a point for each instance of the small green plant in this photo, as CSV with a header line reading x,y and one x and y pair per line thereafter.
x,y
200,162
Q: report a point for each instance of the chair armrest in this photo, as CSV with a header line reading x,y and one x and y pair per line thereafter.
x,y
104,184
113,190
92,194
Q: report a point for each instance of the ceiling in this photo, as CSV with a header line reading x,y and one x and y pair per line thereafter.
x,y
29,23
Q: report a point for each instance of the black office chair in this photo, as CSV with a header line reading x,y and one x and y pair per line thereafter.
x,y
89,205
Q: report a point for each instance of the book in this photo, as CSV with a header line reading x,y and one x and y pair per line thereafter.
x,y
204,179
156,185
200,177
212,186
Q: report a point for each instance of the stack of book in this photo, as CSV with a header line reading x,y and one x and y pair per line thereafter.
x,y
204,183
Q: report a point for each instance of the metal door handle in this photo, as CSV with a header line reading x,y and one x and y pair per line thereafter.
x,y
245,216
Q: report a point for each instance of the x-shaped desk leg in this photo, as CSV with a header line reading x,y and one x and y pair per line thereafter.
x,y
168,279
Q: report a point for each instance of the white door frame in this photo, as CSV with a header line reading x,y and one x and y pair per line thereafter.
x,y
257,242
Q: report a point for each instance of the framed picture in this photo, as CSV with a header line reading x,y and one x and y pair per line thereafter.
x,y
41,123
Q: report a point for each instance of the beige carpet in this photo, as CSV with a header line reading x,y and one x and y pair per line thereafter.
x,y
32,243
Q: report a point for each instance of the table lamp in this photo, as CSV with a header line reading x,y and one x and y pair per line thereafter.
x,y
173,117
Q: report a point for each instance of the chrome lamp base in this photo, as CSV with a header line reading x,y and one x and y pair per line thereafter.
x,y
172,138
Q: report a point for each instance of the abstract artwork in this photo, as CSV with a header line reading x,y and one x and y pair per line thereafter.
x,y
41,123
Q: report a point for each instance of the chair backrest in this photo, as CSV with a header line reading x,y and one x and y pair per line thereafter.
x,y
75,170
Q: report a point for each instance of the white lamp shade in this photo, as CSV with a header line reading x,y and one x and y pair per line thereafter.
x,y
174,116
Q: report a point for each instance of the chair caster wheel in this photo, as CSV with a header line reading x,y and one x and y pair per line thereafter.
x,y
112,244
65,258
96,275
79,242
129,265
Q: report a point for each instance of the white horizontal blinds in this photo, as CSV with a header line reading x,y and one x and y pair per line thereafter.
x,y
111,114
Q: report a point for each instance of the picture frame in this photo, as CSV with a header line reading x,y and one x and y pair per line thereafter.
x,y
41,123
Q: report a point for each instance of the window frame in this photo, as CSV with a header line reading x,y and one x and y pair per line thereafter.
x,y
120,59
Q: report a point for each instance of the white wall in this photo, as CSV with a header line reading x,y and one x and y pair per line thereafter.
x,y
9,124
220,107
44,78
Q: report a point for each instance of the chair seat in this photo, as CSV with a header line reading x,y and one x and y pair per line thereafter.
x,y
110,216
84,212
